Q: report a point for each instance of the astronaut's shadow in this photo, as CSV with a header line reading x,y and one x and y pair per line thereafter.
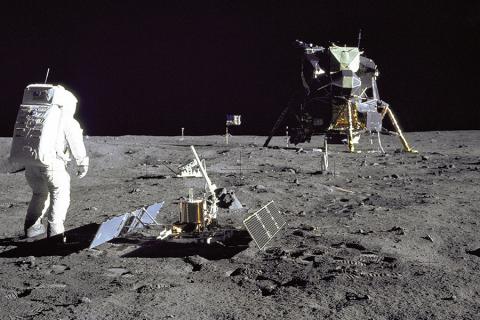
x,y
77,239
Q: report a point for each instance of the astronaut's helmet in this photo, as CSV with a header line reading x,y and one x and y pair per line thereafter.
x,y
68,103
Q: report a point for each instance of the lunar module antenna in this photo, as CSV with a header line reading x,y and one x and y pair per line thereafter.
x,y
359,38
46,77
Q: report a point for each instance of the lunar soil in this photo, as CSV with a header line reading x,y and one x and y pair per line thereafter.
x,y
379,236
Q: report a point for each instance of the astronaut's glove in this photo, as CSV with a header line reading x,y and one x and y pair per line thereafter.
x,y
82,171
82,165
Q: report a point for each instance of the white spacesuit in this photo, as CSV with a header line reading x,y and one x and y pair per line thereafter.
x,y
45,136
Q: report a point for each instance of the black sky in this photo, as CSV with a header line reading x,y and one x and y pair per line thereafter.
x,y
153,67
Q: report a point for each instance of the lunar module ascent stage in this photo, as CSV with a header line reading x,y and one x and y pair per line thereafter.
x,y
339,98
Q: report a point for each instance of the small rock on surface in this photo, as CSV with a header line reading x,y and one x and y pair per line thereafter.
x,y
363,232
59,268
196,261
260,188
85,300
353,296
267,287
299,233
116,272
28,262
237,272
428,237
307,227
398,230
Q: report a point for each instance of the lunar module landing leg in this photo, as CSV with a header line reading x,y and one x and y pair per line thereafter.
x,y
350,128
387,111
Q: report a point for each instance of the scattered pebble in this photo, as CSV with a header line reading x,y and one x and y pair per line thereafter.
x,y
307,227
260,188
196,261
353,296
85,300
237,272
116,272
428,237
363,232
59,268
299,233
31,260
398,230
267,287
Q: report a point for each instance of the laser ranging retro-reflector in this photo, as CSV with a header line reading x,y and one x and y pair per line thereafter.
x,y
264,224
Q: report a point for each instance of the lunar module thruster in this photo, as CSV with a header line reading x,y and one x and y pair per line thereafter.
x,y
339,98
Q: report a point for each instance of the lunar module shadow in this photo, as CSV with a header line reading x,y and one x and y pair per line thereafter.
x,y
77,240
170,249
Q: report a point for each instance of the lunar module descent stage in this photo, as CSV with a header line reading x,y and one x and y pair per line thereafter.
x,y
340,98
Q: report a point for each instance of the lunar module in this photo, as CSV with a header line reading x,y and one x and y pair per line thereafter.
x,y
339,97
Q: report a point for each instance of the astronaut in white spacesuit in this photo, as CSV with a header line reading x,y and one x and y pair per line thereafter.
x,y
50,181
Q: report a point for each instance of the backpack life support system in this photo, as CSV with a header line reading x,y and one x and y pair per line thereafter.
x,y
38,125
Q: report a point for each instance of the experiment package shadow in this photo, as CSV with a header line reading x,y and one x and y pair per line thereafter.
x,y
215,251
77,239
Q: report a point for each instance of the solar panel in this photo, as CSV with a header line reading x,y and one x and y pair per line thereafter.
x,y
125,223
109,230
142,217
264,224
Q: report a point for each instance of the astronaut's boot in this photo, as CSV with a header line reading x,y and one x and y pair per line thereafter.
x,y
55,236
34,230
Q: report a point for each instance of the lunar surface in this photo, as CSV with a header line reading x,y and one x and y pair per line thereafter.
x,y
378,236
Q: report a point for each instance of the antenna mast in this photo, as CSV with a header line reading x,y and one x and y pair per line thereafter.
x,y
46,77
359,38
